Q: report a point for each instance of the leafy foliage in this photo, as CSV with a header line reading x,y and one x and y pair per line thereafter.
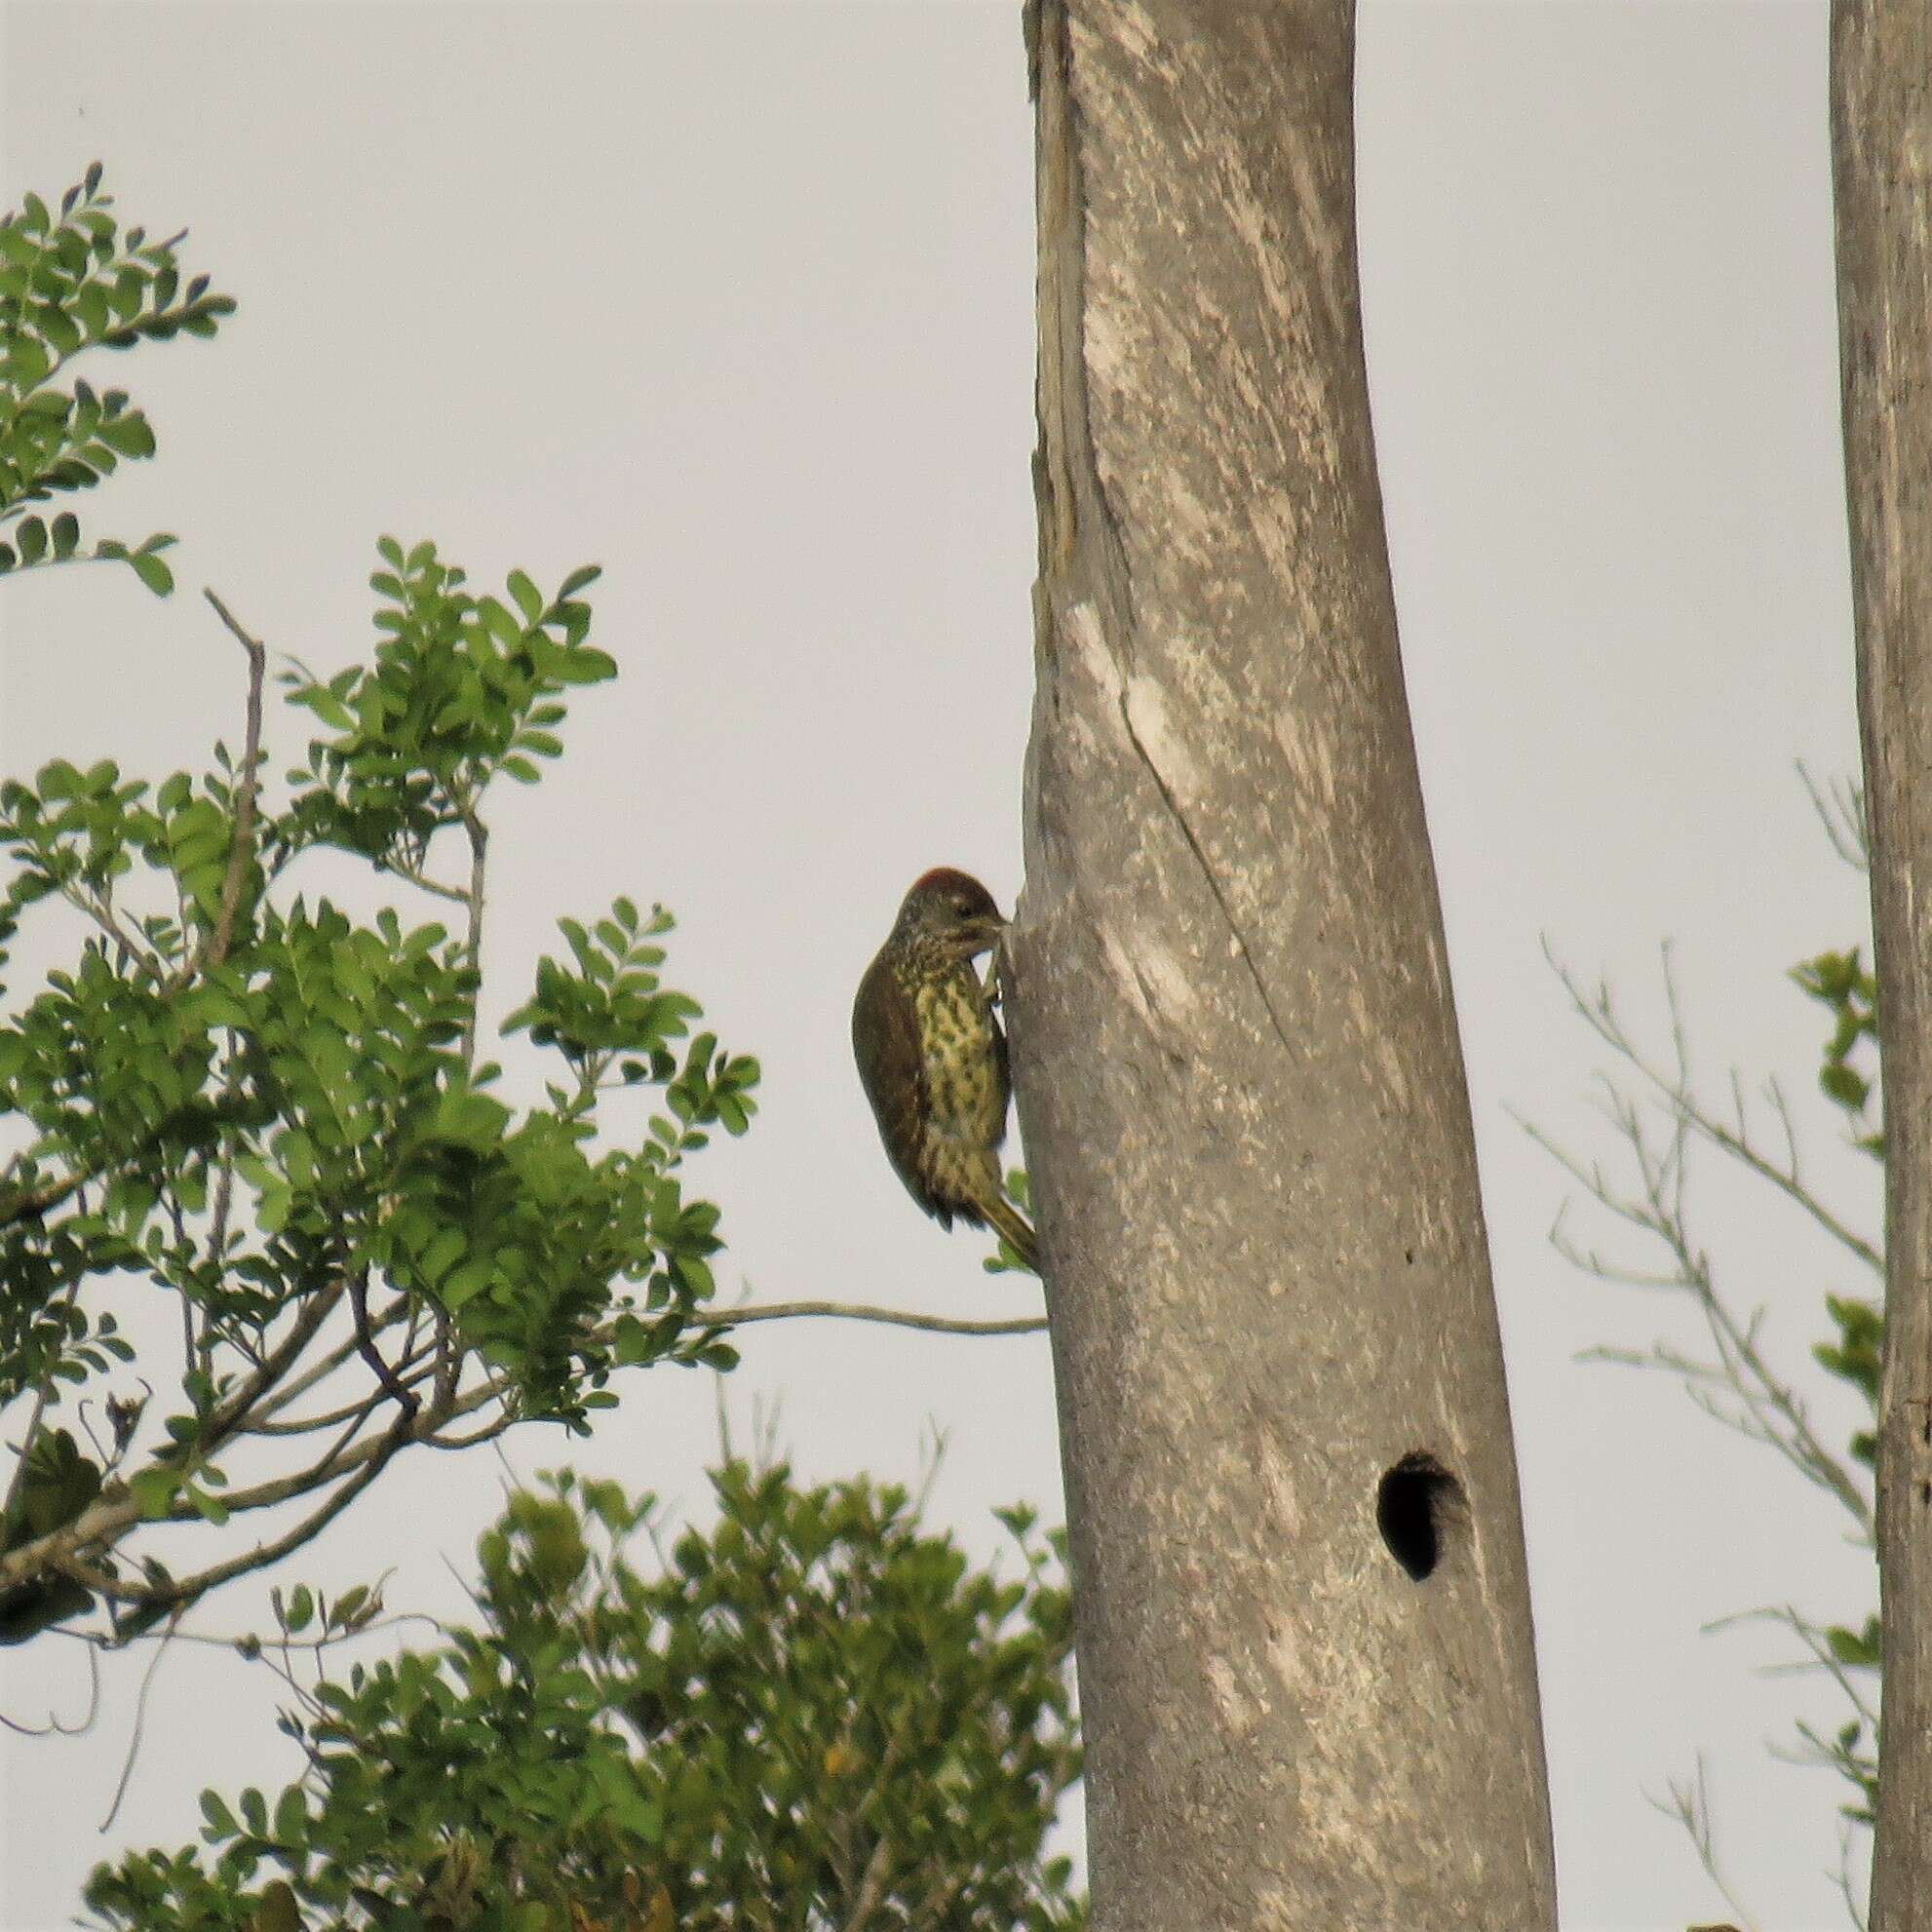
x,y
1854,1357
462,687
1840,981
814,1715
264,1111
1848,1076
71,283
275,1112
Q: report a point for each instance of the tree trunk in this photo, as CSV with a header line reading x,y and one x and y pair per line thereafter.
x,y
1881,164
1305,1650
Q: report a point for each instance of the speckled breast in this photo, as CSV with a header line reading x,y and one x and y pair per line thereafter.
x,y
965,1079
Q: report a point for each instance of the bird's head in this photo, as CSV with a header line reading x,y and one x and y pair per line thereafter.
x,y
955,909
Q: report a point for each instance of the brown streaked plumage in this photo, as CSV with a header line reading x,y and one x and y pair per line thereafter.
x,y
931,1057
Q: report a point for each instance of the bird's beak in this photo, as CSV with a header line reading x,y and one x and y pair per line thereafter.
x,y
978,936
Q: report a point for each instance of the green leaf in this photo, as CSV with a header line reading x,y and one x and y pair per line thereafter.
x,y
529,599
27,363
221,1822
129,435
152,572
211,1506
1847,1087
291,1816
466,1283
344,1611
278,1909
153,1490
326,704
584,665
59,328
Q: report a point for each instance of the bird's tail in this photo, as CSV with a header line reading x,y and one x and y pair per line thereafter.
x,y
1015,1228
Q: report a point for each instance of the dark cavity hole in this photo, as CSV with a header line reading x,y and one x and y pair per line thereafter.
x,y
1413,1504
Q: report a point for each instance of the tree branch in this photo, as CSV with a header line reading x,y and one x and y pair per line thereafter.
x,y
214,948
1600,1017
116,1512
406,1401
320,1370
478,837
871,1886
857,1311
30,1204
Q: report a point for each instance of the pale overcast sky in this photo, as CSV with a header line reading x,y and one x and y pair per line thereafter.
x,y
737,301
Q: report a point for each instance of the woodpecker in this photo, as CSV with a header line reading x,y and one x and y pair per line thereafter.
x,y
931,1057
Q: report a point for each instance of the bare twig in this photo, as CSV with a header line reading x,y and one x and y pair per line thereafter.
x,y
421,880
411,1371
1853,1892
54,1727
248,1645
1771,1412
1844,818
1601,1016
1691,1806
214,948
1737,1385
405,1397
100,911
140,1724
855,1311
488,1433
1817,1642
320,1370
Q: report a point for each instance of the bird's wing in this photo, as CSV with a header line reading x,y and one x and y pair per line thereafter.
x,y
892,1069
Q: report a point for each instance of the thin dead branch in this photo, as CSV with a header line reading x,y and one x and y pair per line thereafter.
x,y
857,1311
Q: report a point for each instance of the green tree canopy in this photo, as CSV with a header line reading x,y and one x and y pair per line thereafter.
x,y
815,1713
271,1110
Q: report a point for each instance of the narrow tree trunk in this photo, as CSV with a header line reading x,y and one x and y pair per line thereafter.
x,y
1881,155
1304,1635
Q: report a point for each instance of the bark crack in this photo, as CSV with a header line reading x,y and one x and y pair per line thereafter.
x,y
1195,845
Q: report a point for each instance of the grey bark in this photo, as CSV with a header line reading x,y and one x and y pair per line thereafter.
x,y
1234,1043
1881,161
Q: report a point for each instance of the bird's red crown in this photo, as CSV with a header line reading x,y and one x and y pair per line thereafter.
x,y
950,879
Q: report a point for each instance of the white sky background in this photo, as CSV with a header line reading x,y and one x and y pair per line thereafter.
x,y
738,303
